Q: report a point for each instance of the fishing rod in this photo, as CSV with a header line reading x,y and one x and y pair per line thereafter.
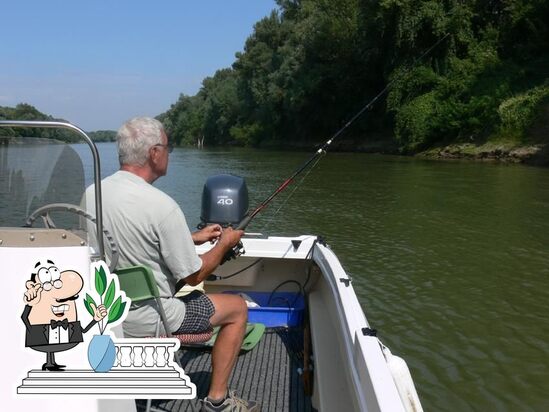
x,y
237,250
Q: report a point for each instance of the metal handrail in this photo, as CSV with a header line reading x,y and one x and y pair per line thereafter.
x,y
96,166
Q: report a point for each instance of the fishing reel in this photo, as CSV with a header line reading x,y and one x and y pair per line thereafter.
x,y
225,202
233,253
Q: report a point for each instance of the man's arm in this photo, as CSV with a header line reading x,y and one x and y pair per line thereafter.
x,y
90,325
25,317
211,259
31,297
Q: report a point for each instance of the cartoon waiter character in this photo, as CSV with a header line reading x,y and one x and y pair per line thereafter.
x,y
50,312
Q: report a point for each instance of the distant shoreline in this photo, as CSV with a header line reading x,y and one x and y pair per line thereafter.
x,y
503,151
536,155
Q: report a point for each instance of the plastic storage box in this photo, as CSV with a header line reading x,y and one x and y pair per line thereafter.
x,y
276,309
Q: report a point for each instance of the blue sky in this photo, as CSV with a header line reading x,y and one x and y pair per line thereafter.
x,y
97,63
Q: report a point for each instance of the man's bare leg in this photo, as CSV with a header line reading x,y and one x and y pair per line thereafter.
x,y
231,313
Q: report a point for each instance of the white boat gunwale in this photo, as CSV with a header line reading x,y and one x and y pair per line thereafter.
x,y
353,321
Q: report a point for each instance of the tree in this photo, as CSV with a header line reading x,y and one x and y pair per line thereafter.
x,y
311,64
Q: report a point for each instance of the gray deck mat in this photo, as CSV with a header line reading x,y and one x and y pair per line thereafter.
x,y
268,373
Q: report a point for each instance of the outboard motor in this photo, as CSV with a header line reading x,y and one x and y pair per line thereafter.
x,y
224,200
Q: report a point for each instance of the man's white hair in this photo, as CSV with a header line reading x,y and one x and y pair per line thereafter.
x,y
135,138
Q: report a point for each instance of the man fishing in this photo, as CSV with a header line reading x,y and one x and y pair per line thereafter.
x,y
151,230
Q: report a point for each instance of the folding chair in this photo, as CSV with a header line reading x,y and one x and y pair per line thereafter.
x,y
139,284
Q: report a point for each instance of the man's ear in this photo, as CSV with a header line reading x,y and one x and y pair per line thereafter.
x,y
153,154
29,284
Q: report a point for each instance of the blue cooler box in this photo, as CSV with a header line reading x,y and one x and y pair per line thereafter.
x,y
284,308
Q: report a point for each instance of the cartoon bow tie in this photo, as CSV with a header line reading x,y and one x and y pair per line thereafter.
x,y
59,323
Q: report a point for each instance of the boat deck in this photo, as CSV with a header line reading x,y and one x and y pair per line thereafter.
x,y
268,373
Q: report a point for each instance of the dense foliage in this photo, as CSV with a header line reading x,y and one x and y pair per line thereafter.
x,y
25,111
102,135
311,64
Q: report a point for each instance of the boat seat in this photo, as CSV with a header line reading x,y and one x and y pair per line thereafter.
x,y
193,338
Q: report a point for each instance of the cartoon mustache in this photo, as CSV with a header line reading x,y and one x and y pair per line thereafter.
x,y
66,299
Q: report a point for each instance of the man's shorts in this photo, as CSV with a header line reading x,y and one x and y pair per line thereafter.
x,y
198,311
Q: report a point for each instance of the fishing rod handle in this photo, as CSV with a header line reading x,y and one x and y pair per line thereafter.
x,y
244,222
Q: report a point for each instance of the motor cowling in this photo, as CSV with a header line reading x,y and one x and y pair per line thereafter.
x,y
224,200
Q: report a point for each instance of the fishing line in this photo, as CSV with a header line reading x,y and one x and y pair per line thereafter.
x,y
237,250
293,191
322,149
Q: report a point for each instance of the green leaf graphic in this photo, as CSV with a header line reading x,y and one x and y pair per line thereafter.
x,y
109,297
119,314
87,303
114,311
100,281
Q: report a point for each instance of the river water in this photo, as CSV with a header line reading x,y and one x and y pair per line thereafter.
x,y
449,260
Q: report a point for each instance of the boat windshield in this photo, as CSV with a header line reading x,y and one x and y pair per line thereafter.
x,y
35,172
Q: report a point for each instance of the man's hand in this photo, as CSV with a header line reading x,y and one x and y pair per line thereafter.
x,y
99,312
212,258
209,234
33,293
230,237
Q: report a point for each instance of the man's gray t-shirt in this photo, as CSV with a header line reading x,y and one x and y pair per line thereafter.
x,y
150,229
